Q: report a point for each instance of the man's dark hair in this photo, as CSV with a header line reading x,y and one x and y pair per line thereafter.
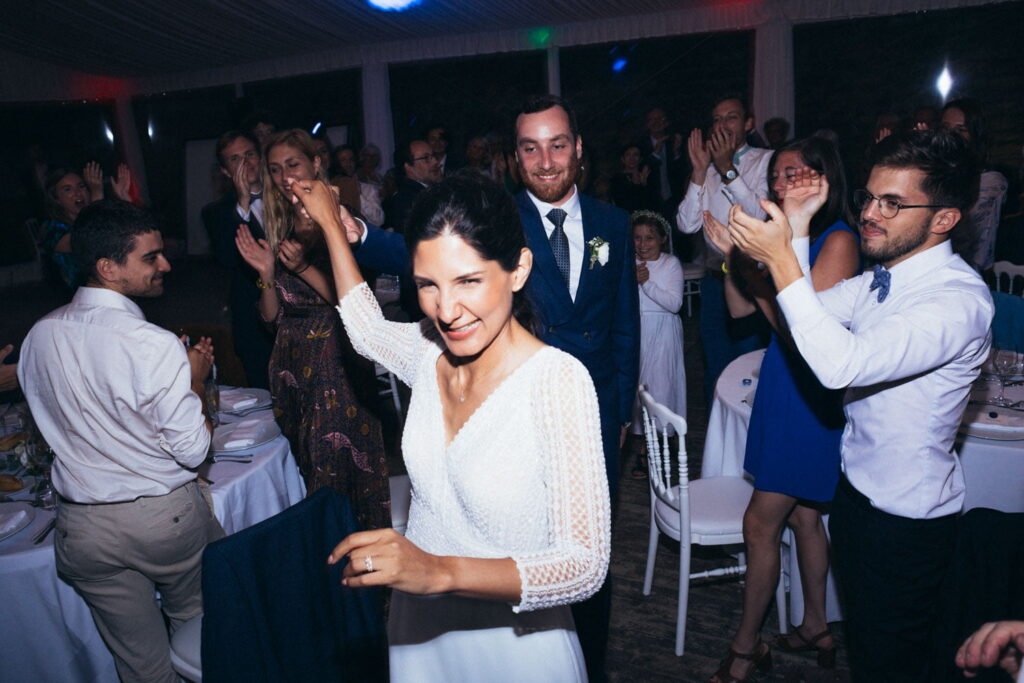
x,y
539,103
739,97
403,155
229,137
950,169
107,229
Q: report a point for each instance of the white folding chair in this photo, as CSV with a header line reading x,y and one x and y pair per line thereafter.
x,y
693,273
1011,271
703,511
387,385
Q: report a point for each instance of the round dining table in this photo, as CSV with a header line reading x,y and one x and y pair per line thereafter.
x,y
46,630
990,447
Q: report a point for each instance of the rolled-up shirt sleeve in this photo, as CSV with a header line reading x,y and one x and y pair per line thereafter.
x,y
176,410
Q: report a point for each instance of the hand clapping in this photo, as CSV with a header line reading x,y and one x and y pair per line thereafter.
x,y
806,193
256,253
760,240
717,233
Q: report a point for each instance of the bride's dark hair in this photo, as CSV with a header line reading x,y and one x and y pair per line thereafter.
x,y
485,216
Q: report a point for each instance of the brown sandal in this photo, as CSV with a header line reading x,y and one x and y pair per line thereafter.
x,y
826,655
760,659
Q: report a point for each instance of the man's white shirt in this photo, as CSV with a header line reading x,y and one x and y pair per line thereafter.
x,y
573,227
112,394
907,363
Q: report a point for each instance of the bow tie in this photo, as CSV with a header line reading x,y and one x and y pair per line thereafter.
x,y
254,196
881,283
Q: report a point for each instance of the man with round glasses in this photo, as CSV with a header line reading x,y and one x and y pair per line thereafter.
x,y
906,342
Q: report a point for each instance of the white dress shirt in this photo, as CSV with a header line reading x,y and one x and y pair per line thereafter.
x,y
112,395
255,207
573,227
907,363
750,186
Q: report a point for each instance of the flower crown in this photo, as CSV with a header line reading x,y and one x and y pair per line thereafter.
x,y
652,216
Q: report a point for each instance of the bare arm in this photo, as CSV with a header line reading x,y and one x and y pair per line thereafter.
x,y
739,304
293,256
319,203
257,254
8,373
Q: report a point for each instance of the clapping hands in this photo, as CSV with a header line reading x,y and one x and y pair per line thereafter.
x,y
806,192
760,240
257,253
717,233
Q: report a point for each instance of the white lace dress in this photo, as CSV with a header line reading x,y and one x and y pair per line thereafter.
x,y
523,478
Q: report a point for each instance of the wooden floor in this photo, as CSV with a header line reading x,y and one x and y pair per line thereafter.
x,y
641,646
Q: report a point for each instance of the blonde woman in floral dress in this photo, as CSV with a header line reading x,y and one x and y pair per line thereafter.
x,y
320,386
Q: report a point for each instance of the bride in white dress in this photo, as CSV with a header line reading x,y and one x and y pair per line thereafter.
x,y
510,519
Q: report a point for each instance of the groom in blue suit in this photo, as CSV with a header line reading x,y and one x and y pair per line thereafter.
x,y
583,286
590,309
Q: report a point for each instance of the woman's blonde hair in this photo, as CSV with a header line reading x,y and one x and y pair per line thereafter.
x,y
278,212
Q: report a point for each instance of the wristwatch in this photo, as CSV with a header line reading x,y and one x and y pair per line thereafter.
x,y
729,176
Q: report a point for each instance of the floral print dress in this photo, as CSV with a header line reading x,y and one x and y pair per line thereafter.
x,y
321,388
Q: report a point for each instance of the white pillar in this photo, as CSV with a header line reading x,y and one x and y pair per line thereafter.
x,y
127,133
774,82
554,72
377,123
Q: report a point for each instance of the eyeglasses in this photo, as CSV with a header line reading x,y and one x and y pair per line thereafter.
x,y
425,157
887,206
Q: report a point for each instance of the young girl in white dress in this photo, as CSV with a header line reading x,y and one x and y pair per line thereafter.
x,y
659,276
510,517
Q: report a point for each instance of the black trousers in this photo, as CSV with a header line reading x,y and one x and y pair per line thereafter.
x,y
890,571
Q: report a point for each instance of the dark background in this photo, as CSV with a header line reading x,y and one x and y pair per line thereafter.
x,y
847,73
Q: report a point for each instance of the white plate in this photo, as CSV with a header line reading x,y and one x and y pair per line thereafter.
x,y
10,507
993,422
262,397
267,431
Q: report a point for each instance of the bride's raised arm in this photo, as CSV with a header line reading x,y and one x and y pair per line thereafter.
x,y
396,346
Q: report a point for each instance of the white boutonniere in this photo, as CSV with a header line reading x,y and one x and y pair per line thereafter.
x,y
598,251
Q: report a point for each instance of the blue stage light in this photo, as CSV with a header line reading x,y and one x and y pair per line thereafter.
x,y
392,5
316,128
619,65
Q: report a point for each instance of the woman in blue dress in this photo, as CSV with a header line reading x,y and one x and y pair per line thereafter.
x,y
795,426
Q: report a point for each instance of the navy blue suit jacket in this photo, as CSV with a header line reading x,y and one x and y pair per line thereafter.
x,y
601,328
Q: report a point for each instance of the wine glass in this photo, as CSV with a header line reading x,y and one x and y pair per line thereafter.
x,y
1005,361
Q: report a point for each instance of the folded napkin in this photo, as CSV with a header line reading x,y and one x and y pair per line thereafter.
x,y
232,400
9,521
244,435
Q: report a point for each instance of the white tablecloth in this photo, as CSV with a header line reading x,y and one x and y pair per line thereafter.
x,y
723,457
46,630
730,417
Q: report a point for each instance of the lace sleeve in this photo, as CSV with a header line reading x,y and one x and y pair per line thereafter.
x,y
397,346
574,565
